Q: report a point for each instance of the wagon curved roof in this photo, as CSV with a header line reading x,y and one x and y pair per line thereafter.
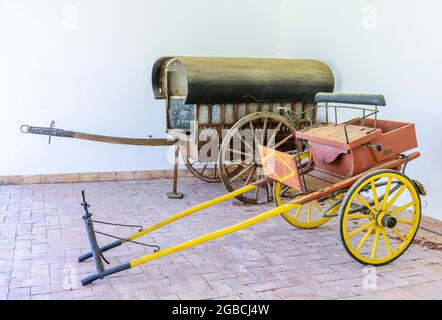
x,y
211,80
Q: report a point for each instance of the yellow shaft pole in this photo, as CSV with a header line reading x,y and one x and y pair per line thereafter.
x,y
192,210
213,235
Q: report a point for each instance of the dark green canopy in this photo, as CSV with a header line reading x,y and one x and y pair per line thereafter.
x,y
209,80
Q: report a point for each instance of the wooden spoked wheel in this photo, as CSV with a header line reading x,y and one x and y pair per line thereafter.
x,y
239,162
380,216
206,171
206,153
307,216
205,167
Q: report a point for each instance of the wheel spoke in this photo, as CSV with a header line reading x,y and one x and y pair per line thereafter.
x,y
396,196
228,168
269,192
204,168
257,193
318,206
244,141
250,176
309,212
365,202
280,143
375,243
243,171
252,127
238,152
272,138
386,194
360,229
297,213
359,216
284,190
375,195
398,234
365,238
387,242
264,129
405,221
400,209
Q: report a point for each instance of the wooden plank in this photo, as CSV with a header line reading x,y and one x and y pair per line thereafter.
x,y
329,178
314,183
334,135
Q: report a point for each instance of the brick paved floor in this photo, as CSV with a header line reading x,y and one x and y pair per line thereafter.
x,y
41,235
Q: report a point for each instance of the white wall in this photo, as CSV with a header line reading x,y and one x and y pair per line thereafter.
x,y
87,65
392,47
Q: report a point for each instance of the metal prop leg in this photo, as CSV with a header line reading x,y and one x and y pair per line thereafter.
x,y
95,249
87,218
174,194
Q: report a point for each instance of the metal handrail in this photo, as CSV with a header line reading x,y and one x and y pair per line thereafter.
x,y
355,120
326,106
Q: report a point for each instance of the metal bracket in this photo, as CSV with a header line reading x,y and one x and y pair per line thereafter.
x,y
52,126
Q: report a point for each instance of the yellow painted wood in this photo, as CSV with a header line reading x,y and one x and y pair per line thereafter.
x,y
192,210
213,235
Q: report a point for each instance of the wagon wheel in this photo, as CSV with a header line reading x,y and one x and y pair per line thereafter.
x,y
239,163
307,216
206,171
380,216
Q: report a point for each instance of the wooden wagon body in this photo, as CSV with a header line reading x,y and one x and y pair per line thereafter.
x,y
217,92
209,98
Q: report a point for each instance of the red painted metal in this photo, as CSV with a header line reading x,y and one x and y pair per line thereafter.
x,y
367,145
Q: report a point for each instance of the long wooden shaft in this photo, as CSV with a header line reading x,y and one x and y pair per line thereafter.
x,y
213,235
122,140
192,210
55,132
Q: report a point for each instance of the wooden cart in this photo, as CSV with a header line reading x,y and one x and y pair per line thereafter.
x,y
353,170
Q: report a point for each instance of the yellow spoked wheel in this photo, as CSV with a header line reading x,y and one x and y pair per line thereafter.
x,y
307,216
380,216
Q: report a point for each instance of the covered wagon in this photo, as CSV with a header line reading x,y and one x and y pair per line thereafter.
x,y
211,102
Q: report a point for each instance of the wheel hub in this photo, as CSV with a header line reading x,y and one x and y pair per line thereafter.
x,y
386,220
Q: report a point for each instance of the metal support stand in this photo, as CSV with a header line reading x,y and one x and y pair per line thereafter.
x,y
95,249
174,194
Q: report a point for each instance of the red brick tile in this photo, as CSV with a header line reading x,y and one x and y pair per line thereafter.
x,y
42,234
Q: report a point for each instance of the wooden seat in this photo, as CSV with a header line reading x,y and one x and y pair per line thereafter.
x,y
334,135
